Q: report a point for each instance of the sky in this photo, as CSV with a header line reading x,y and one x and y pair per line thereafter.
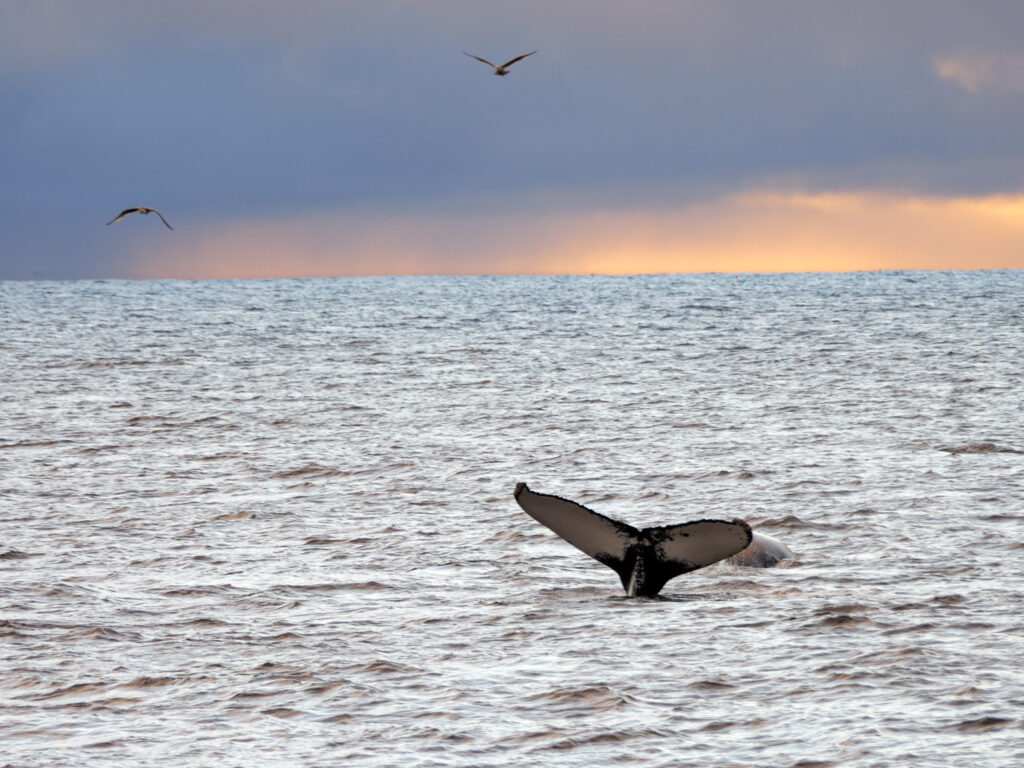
x,y
353,137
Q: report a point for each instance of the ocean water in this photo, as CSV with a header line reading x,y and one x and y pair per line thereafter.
x,y
270,523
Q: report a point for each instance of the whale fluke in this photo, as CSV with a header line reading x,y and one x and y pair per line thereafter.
x,y
644,559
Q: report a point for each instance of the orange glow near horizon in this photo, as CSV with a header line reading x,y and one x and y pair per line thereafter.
x,y
756,232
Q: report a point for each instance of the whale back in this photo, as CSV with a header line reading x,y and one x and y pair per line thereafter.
x,y
763,552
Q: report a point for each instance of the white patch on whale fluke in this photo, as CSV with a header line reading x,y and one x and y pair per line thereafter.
x,y
644,559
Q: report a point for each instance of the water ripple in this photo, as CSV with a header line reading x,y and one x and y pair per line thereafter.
x,y
271,523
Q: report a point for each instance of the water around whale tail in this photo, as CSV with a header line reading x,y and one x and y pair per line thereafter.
x,y
645,559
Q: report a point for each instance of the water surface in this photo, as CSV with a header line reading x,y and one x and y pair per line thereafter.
x,y
267,523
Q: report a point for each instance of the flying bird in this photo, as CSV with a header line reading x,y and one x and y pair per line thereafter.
x,y
140,209
501,70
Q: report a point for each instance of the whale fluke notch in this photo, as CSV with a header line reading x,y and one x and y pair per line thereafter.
x,y
645,559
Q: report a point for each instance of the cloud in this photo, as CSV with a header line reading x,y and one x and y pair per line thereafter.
x,y
977,72
257,109
967,72
751,232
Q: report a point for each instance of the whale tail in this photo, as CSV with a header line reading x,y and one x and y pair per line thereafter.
x,y
645,559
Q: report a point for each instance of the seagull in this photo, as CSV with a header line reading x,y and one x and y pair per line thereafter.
x,y
501,70
140,209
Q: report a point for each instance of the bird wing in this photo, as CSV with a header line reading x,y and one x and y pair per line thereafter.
x,y
602,538
517,58
485,61
689,546
121,215
162,218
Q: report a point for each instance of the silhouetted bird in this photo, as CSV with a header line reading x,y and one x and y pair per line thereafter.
x,y
140,209
501,70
